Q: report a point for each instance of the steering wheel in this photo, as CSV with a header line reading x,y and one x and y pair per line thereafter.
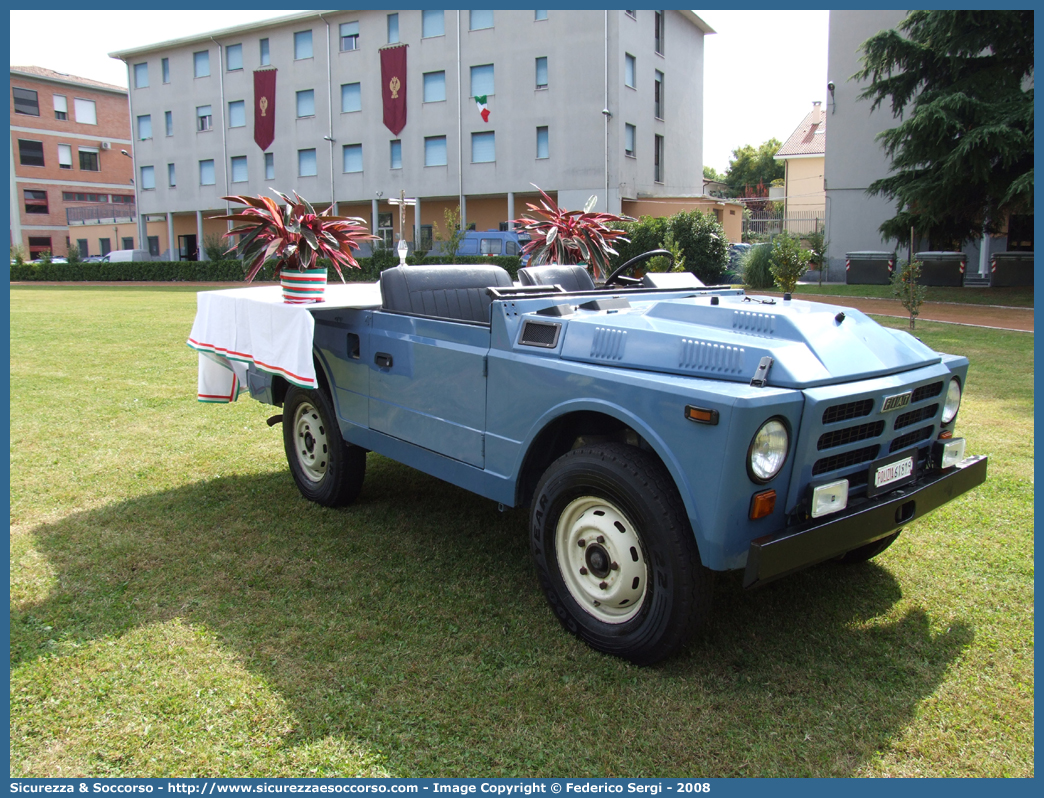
x,y
616,276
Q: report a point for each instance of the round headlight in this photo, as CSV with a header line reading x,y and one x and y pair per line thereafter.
x,y
953,401
768,450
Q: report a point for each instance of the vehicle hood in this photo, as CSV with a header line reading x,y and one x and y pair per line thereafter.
x,y
810,343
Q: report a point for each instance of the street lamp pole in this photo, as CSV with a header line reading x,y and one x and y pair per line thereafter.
x,y
142,244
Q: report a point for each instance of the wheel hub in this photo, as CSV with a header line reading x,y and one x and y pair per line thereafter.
x,y
601,559
311,445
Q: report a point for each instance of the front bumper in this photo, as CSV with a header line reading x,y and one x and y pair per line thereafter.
x,y
802,545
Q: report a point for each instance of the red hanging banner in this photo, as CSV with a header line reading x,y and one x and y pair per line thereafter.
x,y
393,87
264,107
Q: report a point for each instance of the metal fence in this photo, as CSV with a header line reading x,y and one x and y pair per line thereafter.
x,y
770,223
99,214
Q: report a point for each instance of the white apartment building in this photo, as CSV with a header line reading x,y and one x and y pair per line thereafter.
x,y
581,103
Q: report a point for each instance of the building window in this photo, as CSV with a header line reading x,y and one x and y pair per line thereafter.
x,y
148,178
81,246
30,153
433,23
153,246
393,29
26,101
89,159
435,151
396,154
35,201
482,80
306,103
127,242
237,113
434,87
539,15
349,33
168,122
234,57
64,156
201,64
72,196
39,245
306,166
265,58
483,147
351,98
658,31
206,172
630,136
239,169
658,94
543,151
630,68
165,69
353,161
204,120
125,199
631,14
145,127
658,159
172,179
104,246
86,112
303,44
61,107
141,76
269,166
541,72
480,20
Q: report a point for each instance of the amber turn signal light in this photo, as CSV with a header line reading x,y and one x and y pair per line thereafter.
x,y
762,504
701,415
945,435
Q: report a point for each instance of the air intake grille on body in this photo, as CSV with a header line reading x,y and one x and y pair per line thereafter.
x,y
910,438
845,460
926,392
536,333
841,437
914,416
844,412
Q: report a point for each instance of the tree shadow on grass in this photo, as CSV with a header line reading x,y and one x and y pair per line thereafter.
x,y
411,624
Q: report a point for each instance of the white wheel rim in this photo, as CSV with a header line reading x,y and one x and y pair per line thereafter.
x,y
601,559
310,442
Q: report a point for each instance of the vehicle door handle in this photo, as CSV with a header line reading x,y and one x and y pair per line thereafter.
x,y
383,360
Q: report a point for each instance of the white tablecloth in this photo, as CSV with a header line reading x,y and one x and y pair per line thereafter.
x,y
239,326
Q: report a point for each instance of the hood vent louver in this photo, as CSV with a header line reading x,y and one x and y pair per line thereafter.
x,y
703,356
540,333
608,344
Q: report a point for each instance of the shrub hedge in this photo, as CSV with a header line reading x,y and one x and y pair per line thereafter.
x,y
219,271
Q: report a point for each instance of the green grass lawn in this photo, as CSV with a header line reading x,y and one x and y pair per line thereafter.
x,y
178,609
1010,297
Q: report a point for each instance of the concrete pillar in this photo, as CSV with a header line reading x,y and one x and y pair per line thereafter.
x,y
463,212
170,235
373,216
199,236
984,256
511,210
416,224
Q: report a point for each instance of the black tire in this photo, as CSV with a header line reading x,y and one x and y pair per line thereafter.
x,y
590,506
867,552
327,470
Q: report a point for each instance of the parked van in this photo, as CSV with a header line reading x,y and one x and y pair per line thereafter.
x,y
489,242
124,255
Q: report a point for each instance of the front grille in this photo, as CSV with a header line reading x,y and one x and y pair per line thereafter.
x,y
915,416
847,411
841,437
910,438
845,460
926,392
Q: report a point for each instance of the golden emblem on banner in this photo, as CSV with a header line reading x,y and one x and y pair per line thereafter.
x,y
264,105
394,85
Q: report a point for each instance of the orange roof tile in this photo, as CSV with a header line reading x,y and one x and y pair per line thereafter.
x,y
50,74
808,139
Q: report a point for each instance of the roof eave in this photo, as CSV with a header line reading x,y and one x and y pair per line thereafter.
x,y
73,83
697,21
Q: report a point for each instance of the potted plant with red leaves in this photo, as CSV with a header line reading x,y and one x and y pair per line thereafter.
x,y
570,237
298,239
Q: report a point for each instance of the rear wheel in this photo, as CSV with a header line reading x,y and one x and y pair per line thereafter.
x,y
867,552
327,470
615,554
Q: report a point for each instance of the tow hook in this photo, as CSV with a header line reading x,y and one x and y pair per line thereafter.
x,y
275,420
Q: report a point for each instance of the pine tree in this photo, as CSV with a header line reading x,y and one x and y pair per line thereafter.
x,y
962,158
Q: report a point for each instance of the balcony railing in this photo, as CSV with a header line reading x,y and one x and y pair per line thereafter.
x,y
101,213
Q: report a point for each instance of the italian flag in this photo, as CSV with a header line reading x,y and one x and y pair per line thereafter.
x,y
482,107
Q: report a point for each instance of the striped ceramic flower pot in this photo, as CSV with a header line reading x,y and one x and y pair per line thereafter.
x,y
302,288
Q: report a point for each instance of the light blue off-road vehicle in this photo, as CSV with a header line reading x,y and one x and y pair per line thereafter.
x,y
658,430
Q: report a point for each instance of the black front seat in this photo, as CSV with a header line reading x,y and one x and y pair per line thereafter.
x,y
571,278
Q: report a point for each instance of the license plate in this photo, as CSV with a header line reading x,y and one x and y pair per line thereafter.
x,y
889,474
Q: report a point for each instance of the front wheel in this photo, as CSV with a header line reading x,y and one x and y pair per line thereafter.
x,y
615,554
327,470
